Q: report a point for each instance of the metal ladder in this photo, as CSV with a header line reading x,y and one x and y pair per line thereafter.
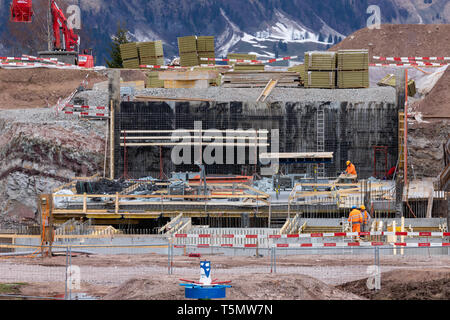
x,y
320,140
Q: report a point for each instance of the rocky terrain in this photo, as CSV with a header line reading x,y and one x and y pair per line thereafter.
x,y
39,151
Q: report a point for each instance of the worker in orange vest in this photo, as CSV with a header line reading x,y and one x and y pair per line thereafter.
x,y
350,168
356,219
366,218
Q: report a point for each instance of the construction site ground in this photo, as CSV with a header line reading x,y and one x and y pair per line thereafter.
x,y
305,277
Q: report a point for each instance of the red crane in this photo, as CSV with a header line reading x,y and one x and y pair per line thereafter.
x,y
21,10
64,37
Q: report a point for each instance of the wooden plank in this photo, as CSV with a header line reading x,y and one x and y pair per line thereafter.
x,y
188,75
177,84
267,90
211,144
195,131
227,137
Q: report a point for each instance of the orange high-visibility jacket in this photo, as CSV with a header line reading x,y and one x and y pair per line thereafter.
x,y
366,216
351,169
355,216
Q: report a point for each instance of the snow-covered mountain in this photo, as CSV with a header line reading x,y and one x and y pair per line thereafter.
x,y
268,28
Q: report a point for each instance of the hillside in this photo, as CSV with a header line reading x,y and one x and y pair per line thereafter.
x,y
401,40
266,27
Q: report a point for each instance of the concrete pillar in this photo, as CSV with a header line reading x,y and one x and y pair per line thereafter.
x,y
114,109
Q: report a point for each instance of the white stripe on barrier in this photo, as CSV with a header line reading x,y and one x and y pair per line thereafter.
x,y
71,106
323,245
418,64
411,58
313,235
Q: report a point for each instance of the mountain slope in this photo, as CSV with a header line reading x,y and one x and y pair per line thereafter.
x,y
265,27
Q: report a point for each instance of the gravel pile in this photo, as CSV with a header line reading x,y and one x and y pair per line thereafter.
x,y
377,94
46,116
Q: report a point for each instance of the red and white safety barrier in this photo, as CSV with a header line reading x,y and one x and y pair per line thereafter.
x,y
405,59
50,60
71,106
313,235
418,64
82,113
71,109
250,61
327,245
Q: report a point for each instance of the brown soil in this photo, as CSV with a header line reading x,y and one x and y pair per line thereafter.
x,y
305,277
37,88
406,285
256,287
404,40
437,102
393,40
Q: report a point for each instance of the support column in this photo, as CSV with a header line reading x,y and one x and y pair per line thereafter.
x,y
114,108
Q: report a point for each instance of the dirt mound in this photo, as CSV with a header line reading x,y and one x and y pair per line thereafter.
x,y
256,287
437,102
40,87
405,40
406,285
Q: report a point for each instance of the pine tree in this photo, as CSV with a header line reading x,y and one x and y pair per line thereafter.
x,y
119,38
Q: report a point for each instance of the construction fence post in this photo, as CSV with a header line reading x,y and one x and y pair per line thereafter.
x,y
67,268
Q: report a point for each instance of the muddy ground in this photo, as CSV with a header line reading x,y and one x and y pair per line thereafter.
x,y
306,277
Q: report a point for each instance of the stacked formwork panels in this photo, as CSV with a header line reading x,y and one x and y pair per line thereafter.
x,y
130,55
205,48
320,69
151,53
187,47
352,69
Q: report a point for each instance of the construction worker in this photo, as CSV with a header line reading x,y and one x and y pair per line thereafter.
x,y
355,217
351,170
366,218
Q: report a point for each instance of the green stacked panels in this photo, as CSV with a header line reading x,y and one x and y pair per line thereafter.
x,y
206,49
320,79
130,55
187,44
352,60
353,69
189,59
151,53
353,79
187,47
248,67
320,69
151,49
131,63
153,80
320,61
153,61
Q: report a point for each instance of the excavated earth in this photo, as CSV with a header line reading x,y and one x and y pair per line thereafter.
x,y
425,138
39,151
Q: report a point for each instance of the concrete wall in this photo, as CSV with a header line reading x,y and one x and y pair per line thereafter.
x,y
351,130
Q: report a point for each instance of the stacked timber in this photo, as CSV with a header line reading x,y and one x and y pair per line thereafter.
x,y
390,81
320,69
259,79
151,53
153,80
205,48
353,69
130,55
187,47
301,70
245,66
320,79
